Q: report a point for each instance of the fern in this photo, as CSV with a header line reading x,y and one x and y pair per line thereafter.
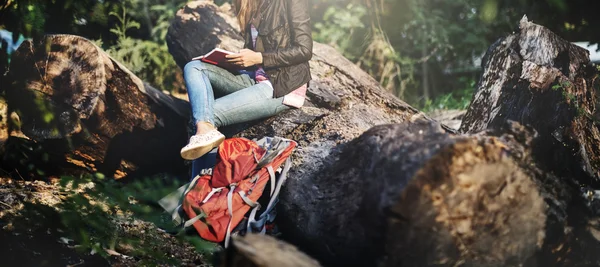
x,y
149,59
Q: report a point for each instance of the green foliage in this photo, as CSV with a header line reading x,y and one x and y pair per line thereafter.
x,y
339,27
164,15
149,59
131,52
410,42
132,31
459,99
99,215
34,18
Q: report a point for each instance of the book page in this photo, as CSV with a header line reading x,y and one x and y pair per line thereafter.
x,y
212,51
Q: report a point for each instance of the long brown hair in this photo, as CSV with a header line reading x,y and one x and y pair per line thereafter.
x,y
245,10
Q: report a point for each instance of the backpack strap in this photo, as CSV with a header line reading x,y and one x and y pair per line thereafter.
x,y
247,200
191,221
273,182
211,193
274,146
252,219
230,211
282,178
268,214
175,216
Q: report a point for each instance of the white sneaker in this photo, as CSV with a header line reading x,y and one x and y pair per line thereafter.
x,y
201,144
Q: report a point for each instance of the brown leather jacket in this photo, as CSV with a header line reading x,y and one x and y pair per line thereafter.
x,y
285,41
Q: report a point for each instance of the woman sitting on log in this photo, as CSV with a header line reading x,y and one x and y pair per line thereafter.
x,y
278,46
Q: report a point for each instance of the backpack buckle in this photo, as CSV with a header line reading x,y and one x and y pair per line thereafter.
x,y
207,171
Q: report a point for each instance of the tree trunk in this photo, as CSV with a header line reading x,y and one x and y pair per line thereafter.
x,y
255,250
89,112
536,78
412,195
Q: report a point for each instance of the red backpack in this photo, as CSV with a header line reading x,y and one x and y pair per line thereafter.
x,y
219,198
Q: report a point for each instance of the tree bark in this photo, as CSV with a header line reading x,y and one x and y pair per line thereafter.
x,y
536,78
412,195
90,113
255,250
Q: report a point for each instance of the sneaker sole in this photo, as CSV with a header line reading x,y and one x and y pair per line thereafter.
x,y
196,152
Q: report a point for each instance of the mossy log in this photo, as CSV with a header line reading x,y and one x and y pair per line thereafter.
x,y
90,113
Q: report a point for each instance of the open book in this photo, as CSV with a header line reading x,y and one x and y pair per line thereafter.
x,y
217,57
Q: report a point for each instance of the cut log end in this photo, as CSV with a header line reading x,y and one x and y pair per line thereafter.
x,y
91,112
64,76
412,195
65,67
469,204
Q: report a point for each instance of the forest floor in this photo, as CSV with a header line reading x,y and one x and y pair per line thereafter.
x,y
30,242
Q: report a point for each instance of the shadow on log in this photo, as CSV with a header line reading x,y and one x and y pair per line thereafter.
x,y
91,114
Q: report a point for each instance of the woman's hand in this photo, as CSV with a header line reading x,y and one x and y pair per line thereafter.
x,y
245,58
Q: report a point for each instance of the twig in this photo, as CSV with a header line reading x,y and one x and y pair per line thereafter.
x,y
76,264
6,204
20,175
5,172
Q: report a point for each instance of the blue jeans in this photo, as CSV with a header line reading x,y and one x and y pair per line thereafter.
x,y
222,98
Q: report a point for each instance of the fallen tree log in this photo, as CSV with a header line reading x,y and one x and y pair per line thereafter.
x,y
90,113
413,195
255,250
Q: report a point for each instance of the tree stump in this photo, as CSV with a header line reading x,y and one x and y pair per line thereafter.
x,y
536,78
